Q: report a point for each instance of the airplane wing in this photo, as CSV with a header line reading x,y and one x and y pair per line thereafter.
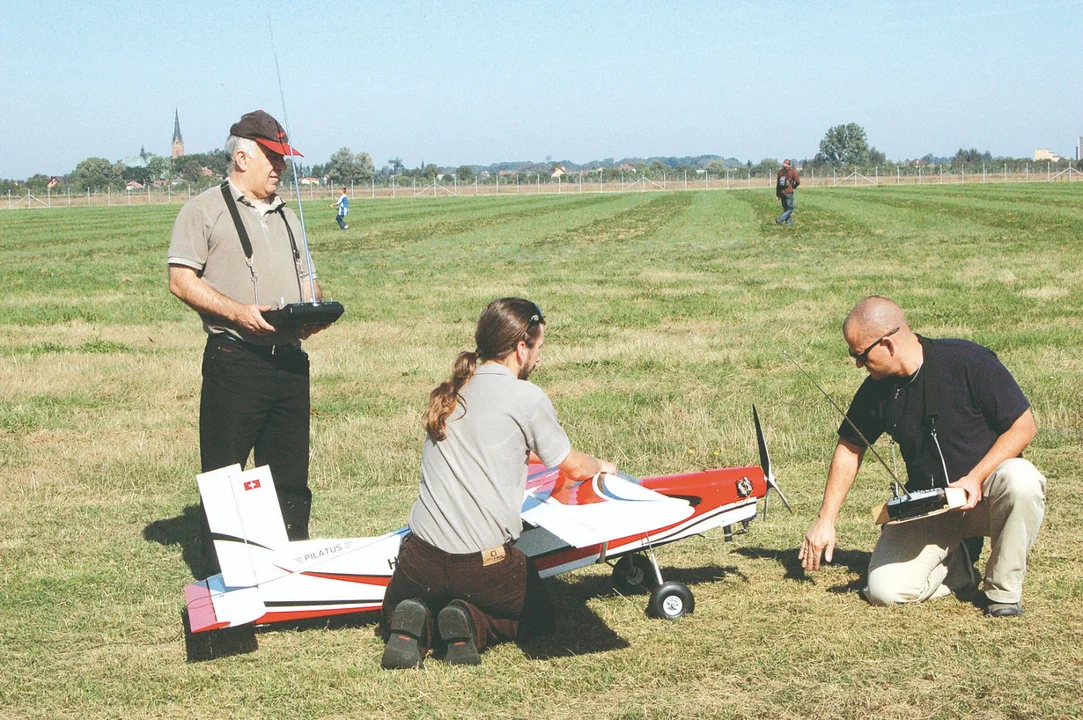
x,y
606,507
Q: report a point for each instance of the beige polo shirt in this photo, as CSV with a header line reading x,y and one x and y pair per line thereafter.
x,y
472,482
205,239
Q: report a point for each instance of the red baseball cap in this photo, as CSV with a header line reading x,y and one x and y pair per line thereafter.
x,y
265,130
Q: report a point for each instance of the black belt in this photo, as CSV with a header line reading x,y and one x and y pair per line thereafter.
x,y
261,350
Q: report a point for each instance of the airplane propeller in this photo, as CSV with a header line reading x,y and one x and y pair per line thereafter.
x,y
765,464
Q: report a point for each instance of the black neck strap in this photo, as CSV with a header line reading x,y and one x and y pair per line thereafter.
x,y
932,404
246,244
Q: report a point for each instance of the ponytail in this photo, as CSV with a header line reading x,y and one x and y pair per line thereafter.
x,y
445,397
503,325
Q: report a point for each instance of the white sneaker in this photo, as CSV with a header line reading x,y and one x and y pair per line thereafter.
x,y
345,227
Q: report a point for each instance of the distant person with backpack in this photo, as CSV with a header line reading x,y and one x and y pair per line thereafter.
x,y
788,179
343,206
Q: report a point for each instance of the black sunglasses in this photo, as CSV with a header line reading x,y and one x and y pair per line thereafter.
x,y
863,356
537,318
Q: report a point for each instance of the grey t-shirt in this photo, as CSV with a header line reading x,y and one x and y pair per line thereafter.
x,y
205,239
472,482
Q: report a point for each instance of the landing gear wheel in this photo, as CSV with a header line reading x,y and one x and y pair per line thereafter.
x,y
633,573
671,600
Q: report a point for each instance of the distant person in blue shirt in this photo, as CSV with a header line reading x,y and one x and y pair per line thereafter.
x,y
343,206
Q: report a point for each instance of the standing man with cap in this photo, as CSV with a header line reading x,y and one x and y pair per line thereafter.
x,y
787,180
233,255
343,206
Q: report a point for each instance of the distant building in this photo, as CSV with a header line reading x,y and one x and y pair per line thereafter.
x,y
53,182
627,167
558,172
139,161
1045,154
178,141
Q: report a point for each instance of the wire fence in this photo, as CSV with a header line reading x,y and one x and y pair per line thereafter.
x,y
542,184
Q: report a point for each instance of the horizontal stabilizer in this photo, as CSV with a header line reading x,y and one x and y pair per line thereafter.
x,y
605,508
212,606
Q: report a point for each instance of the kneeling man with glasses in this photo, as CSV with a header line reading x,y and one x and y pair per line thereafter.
x,y
960,420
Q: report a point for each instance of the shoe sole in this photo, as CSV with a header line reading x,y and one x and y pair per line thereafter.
x,y
457,633
1004,610
403,650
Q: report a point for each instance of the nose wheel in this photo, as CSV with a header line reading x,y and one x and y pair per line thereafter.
x,y
671,600
635,573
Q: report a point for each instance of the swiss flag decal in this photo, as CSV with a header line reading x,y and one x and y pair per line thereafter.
x,y
251,484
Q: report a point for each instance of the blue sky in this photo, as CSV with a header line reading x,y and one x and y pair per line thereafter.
x,y
460,82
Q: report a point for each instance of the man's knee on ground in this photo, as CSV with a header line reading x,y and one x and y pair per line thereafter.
x,y
887,588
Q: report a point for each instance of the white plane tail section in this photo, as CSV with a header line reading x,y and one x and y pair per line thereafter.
x,y
246,523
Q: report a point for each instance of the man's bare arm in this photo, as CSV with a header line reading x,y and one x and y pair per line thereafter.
x,y
820,537
186,284
1010,443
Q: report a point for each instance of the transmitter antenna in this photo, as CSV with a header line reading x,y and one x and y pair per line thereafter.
x,y
896,486
293,164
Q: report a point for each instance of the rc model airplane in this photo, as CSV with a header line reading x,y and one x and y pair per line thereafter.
x,y
611,518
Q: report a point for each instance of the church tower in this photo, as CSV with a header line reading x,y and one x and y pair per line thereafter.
x,y
178,141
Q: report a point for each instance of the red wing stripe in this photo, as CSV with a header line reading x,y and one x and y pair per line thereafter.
x,y
345,577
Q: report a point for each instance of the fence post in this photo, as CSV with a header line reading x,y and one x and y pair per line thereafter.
x,y
88,196
1005,172
984,177
749,179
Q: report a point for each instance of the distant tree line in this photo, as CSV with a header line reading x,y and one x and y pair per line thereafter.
x,y
844,146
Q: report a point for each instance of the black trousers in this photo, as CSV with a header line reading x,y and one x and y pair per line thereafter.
x,y
253,399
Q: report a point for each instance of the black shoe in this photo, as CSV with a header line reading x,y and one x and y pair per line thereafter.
x,y
403,649
457,631
995,609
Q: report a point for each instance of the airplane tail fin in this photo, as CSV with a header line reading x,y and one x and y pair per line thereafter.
x,y
245,521
765,465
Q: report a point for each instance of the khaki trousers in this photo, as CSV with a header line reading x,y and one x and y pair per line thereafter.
x,y
924,559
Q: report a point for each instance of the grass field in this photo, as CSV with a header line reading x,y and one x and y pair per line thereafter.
x,y
667,316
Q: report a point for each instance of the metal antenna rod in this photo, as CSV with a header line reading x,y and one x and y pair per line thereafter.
x,y
293,164
895,484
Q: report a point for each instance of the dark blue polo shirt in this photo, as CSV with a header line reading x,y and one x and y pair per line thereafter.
x,y
978,401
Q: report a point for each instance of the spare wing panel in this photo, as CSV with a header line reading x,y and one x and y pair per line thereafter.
x,y
607,507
